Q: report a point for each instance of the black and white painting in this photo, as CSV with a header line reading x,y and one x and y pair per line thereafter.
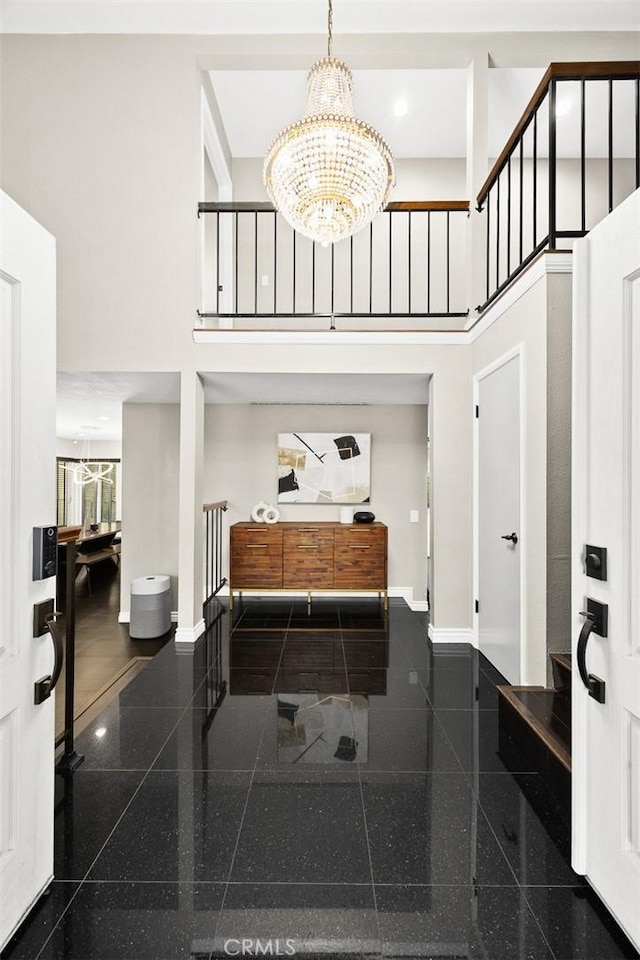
x,y
324,467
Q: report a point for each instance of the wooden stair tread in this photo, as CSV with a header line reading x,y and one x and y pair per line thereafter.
x,y
548,713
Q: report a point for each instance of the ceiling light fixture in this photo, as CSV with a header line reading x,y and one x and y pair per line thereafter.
x,y
329,174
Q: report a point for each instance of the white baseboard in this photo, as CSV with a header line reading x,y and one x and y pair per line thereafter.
x,y
189,635
419,606
125,616
451,635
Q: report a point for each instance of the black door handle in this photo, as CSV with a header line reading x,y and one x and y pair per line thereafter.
x,y
594,685
42,688
510,536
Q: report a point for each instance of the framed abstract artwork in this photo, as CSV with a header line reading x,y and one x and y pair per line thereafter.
x,y
324,467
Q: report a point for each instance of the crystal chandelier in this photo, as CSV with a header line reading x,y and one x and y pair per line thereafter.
x,y
329,174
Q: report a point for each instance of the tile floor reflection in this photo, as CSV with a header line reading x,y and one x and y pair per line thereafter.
x,y
325,783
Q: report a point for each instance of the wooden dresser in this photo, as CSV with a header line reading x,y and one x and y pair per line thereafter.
x,y
309,556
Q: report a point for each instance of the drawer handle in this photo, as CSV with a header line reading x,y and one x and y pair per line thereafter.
x,y
306,529
256,546
360,546
308,546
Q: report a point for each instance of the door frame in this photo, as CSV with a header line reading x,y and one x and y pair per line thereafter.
x,y
518,352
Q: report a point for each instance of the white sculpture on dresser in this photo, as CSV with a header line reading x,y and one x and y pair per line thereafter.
x,y
265,513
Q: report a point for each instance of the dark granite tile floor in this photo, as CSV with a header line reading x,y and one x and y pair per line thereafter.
x,y
325,783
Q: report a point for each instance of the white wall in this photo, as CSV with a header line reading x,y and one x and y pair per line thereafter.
x,y
540,320
150,456
99,449
241,466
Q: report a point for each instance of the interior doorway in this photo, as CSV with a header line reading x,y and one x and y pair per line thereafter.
x,y
498,513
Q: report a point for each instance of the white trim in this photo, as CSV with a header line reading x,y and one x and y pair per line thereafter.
x,y
189,634
451,635
518,352
212,146
546,263
333,337
420,606
125,616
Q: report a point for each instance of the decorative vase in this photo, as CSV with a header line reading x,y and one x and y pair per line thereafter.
x,y
271,514
257,513
364,516
346,514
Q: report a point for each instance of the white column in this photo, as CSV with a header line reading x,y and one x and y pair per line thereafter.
x,y
190,538
477,170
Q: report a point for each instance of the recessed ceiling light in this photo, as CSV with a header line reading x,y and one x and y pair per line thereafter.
x,y
400,108
100,732
104,418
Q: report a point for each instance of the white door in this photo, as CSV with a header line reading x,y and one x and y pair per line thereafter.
x,y
498,514
27,499
606,513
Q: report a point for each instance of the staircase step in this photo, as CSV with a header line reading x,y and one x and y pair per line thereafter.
x,y
561,667
538,721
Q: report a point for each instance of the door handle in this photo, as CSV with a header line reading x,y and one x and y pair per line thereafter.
x,y
42,688
510,536
592,624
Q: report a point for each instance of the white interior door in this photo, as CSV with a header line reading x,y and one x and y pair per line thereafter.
x,y
498,515
27,499
606,513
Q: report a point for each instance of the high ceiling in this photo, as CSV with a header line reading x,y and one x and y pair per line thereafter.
x,y
309,16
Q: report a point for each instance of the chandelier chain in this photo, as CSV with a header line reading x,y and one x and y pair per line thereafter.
x,y
330,28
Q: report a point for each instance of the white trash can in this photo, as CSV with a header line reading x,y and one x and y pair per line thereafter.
x,y
150,607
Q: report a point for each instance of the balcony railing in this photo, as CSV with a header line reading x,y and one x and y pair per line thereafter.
x,y
213,544
410,263
573,156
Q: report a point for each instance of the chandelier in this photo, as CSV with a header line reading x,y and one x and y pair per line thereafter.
x,y
329,174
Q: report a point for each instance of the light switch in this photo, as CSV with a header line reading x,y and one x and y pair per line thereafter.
x,y
265,280
414,516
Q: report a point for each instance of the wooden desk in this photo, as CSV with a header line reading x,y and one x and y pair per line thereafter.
x,y
98,547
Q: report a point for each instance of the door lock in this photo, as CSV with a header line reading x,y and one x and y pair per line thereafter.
x,y
513,537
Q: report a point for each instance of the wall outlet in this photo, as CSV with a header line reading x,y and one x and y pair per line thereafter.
x,y
414,516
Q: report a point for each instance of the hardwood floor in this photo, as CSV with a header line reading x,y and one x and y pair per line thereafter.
x,y
106,658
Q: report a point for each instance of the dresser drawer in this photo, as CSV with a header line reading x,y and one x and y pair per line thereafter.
x,y
256,557
307,558
360,557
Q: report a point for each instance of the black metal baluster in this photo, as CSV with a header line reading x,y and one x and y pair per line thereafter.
x,y
236,273
351,272
509,216
552,165
428,261
583,170
521,195
488,206
637,133
255,263
206,547
535,179
448,266
313,277
333,250
498,232
610,145
390,265
409,265
275,261
371,267
218,261
295,238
